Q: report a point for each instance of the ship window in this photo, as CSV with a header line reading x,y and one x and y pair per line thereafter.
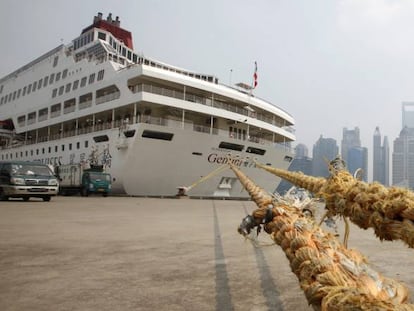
x,y
49,149
86,144
26,153
57,76
54,92
37,151
21,120
101,36
231,146
78,145
99,139
63,147
43,150
18,93
39,84
1,101
52,78
70,146
45,80
101,75
34,86
43,114
92,78
31,116
61,90
255,150
83,82
55,61
24,91
55,108
129,55
29,88
69,105
14,95
64,74
56,148
75,84
1,88
67,89
134,58
129,133
157,135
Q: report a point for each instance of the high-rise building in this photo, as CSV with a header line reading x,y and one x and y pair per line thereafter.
x,y
403,159
408,114
301,151
350,138
358,159
381,159
354,155
403,154
324,150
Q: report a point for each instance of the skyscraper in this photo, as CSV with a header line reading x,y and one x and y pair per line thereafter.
x,y
381,159
403,155
324,150
408,114
358,159
403,159
350,138
353,153
301,151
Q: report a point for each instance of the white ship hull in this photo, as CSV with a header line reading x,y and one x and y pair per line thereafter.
x,y
154,167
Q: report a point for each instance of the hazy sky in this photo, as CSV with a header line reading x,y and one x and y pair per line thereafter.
x,y
330,64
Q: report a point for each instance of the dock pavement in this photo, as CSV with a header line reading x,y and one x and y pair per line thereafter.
x,y
129,253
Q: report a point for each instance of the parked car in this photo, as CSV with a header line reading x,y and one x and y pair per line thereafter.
x,y
27,179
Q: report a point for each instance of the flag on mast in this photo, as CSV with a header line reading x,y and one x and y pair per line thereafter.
x,y
255,75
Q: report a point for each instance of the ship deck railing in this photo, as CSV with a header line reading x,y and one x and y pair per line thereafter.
x,y
160,121
205,101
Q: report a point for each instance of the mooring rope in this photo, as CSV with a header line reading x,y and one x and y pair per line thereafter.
x,y
389,211
332,277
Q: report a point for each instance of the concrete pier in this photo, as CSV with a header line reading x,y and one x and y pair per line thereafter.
x,y
126,253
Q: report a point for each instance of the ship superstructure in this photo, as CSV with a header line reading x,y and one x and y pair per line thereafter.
x,y
153,126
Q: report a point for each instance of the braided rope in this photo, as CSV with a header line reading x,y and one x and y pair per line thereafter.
x,y
331,276
389,211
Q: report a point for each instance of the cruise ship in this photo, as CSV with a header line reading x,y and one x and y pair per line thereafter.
x,y
154,127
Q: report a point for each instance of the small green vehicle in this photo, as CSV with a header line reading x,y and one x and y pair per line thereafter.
x,y
76,179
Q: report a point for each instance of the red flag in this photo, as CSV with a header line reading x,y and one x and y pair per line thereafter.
x,y
255,75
